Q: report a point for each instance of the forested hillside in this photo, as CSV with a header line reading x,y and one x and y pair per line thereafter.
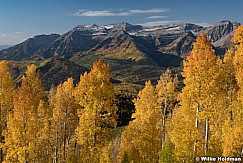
x,y
90,122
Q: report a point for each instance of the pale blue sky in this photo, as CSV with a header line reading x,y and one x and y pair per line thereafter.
x,y
21,19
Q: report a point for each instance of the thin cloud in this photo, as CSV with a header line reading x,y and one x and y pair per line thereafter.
x,y
156,17
15,34
204,24
11,38
157,23
103,13
18,32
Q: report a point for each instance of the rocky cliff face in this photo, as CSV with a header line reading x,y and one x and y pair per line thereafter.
x,y
220,35
220,30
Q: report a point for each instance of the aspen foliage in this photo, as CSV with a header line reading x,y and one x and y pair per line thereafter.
x,y
79,123
198,98
200,71
167,98
6,101
23,136
44,144
226,97
97,113
228,78
183,133
141,139
65,121
6,95
232,129
238,64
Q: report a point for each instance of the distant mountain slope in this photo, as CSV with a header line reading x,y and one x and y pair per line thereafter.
x,y
52,71
119,45
57,71
26,49
77,40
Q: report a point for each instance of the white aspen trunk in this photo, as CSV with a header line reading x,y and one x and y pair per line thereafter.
x,y
64,143
206,137
196,126
163,124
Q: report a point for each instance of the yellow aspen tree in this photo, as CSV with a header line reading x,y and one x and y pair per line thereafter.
x,y
238,65
6,101
141,139
233,125
204,67
167,96
183,133
24,124
228,78
228,94
97,113
201,70
232,132
65,121
43,146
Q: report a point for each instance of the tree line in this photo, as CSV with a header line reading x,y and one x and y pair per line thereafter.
x,y
88,122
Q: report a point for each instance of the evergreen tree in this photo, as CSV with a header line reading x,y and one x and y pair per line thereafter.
x,y
125,108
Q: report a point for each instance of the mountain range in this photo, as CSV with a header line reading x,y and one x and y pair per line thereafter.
x,y
135,53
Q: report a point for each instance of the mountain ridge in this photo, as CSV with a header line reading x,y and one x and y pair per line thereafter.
x,y
25,49
173,39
